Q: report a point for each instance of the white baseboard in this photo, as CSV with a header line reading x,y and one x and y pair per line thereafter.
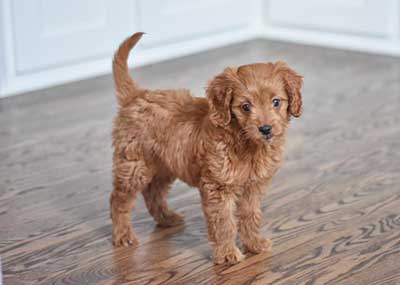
x,y
375,45
55,76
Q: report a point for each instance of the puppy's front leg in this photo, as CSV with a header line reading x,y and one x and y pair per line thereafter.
x,y
250,216
218,206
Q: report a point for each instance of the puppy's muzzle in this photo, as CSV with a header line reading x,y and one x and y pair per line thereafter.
x,y
266,131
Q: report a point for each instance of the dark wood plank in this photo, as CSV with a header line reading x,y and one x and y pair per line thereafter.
x,y
333,210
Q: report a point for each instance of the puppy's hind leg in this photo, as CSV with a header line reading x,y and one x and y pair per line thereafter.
x,y
155,197
130,177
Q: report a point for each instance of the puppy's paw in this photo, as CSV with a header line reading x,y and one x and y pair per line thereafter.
x,y
257,245
125,237
228,256
170,219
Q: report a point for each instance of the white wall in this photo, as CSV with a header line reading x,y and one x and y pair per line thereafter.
x,y
48,42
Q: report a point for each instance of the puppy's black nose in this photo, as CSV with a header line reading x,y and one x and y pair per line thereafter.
x,y
265,130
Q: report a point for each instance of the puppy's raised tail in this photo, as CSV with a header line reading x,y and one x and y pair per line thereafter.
x,y
125,86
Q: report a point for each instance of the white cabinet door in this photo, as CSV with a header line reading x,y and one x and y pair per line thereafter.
x,y
369,17
51,33
168,20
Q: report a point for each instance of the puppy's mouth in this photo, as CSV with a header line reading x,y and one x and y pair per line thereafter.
x,y
268,137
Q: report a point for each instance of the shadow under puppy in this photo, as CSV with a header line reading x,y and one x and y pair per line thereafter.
x,y
229,145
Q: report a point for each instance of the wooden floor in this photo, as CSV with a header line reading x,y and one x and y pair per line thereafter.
x,y
333,210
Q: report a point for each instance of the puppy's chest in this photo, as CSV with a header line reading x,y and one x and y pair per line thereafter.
x,y
258,169
242,170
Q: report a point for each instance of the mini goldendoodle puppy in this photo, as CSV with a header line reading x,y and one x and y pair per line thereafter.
x,y
228,144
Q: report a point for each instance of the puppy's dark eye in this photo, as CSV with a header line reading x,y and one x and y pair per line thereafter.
x,y
276,102
246,107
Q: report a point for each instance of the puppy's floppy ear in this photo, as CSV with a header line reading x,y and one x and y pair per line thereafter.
x,y
293,83
219,96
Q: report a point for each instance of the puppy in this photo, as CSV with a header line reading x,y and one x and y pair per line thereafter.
x,y
228,144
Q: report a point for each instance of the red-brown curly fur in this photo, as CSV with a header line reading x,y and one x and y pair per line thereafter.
x,y
211,143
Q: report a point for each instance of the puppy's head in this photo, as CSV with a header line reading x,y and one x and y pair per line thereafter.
x,y
259,98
